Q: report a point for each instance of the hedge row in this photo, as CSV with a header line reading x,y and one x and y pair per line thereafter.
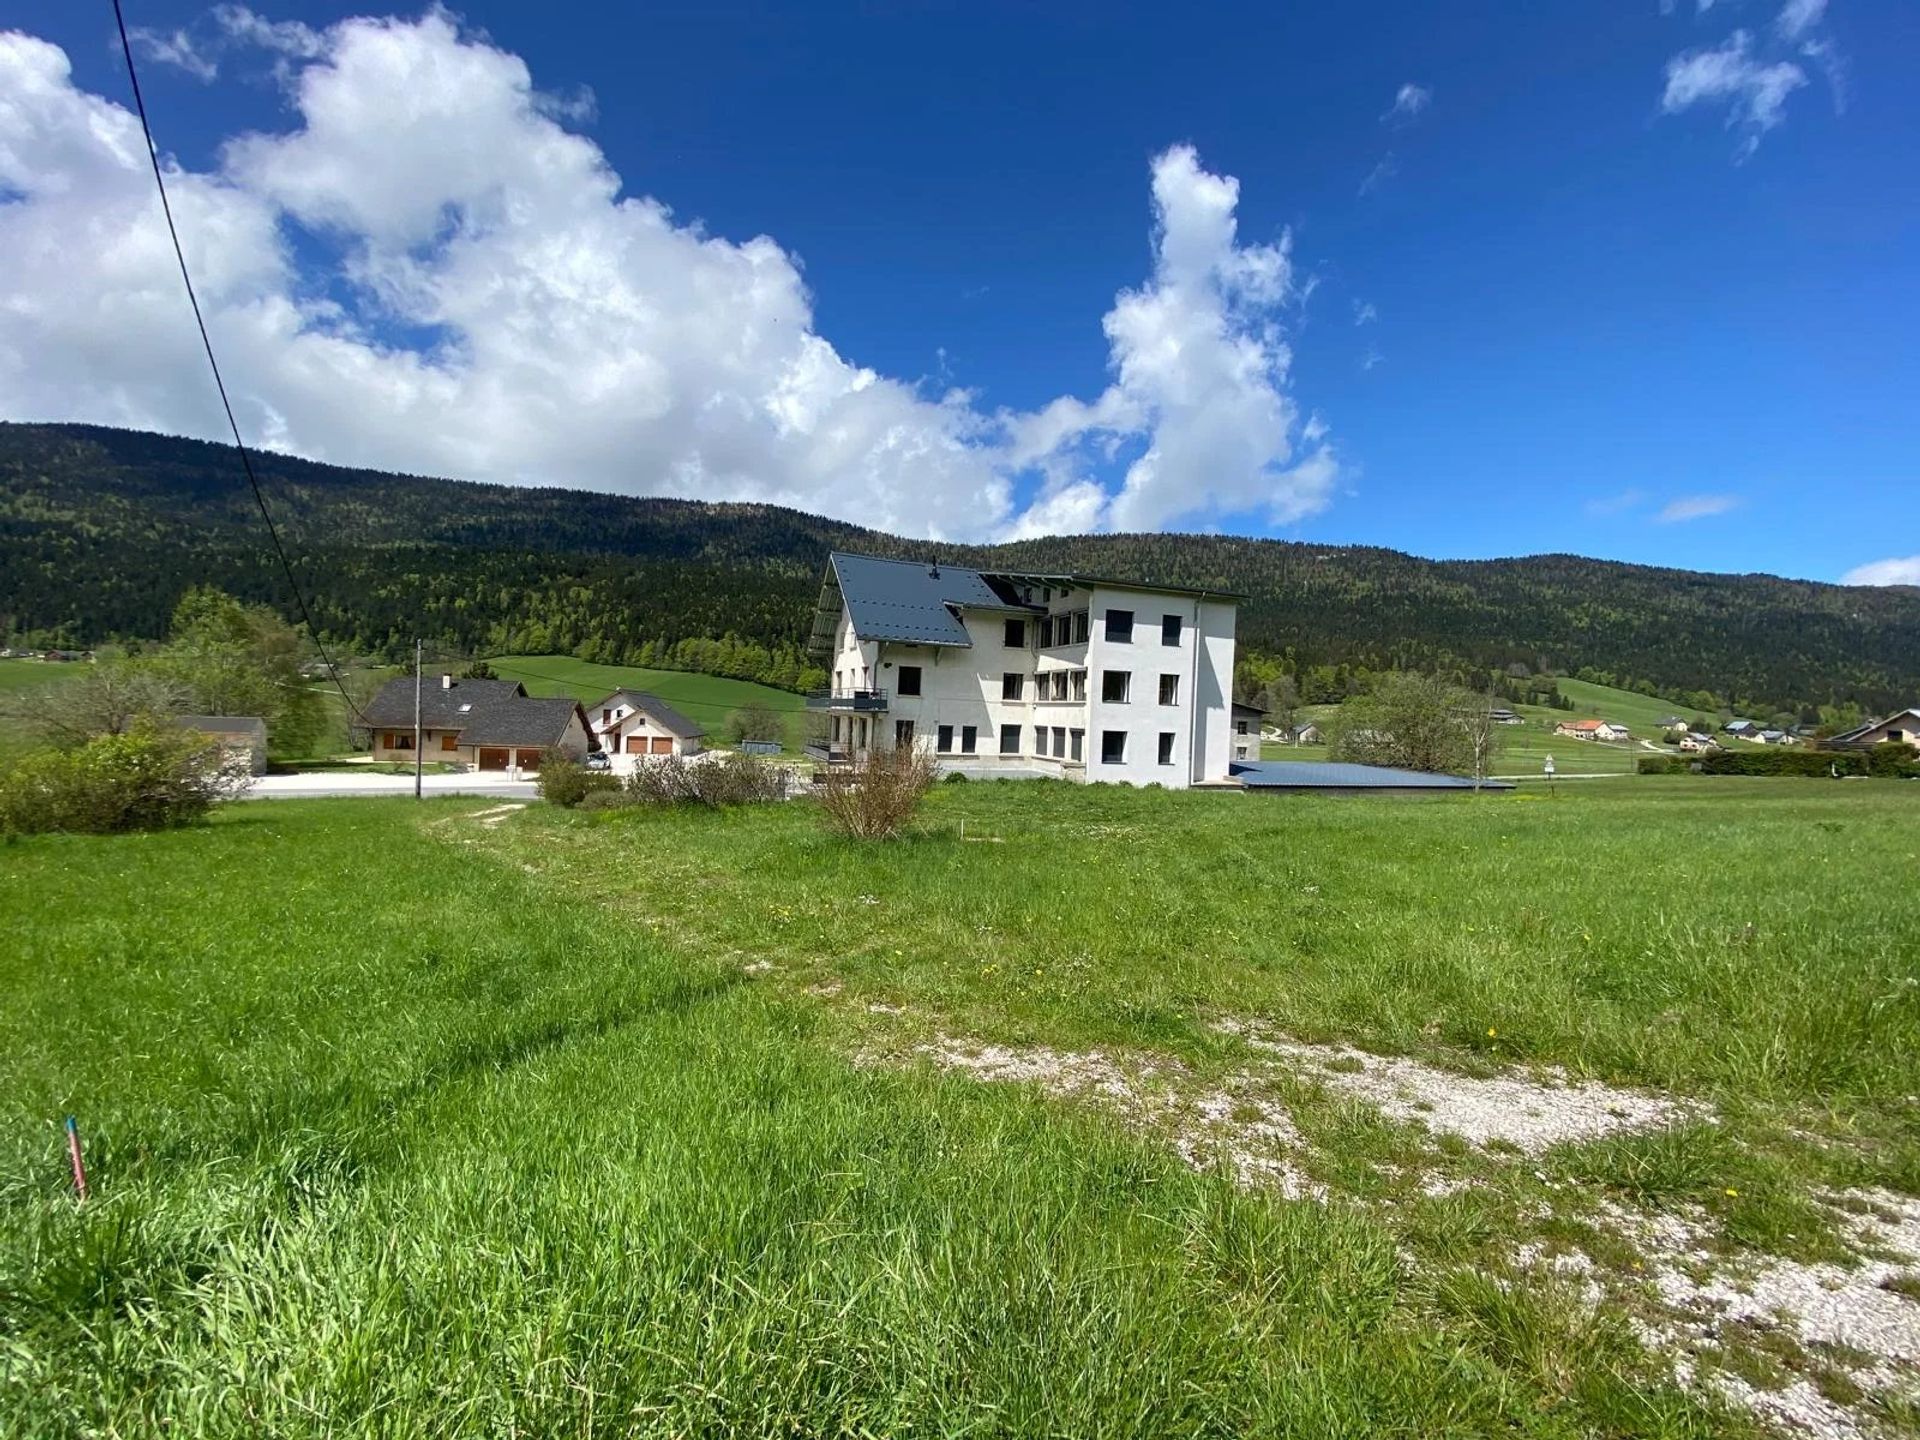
x,y
1895,762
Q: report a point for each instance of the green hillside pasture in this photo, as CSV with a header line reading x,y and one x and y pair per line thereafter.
x,y
706,699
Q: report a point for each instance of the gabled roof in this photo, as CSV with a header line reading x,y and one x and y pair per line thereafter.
x,y
518,720
1912,712
1246,712
442,707
655,709
906,601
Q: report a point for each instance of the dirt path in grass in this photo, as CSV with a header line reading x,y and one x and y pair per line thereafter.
x,y
1824,1349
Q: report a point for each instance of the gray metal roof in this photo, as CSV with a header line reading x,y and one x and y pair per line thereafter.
x,y
519,720
485,712
656,710
1328,775
913,602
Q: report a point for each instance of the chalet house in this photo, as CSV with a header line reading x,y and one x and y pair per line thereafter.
x,y
631,725
1744,729
1010,674
242,739
1901,729
1502,716
1592,730
486,724
1307,734
1246,731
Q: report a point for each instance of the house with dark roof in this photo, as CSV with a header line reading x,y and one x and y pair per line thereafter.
x,y
485,724
1016,674
1901,729
631,725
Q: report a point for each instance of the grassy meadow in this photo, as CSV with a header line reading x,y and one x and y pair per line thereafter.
x,y
406,1123
706,699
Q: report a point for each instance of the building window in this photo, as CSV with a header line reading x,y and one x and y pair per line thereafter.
x,y
1009,739
909,682
1169,629
606,716
1169,689
969,738
1114,685
903,734
1059,742
943,739
1016,637
1059,684
1113,747
1080,685
1120,626
1010,684
1053,632
1239,727
1079,627
1166,747
1079,739
449,741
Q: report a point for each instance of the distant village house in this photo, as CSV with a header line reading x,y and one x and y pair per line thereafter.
x,y
1592,730
1901,729
632,725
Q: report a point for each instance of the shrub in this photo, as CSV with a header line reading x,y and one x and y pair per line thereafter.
x,y
755,720
565,782
717,782
875,796
1665,765
153,777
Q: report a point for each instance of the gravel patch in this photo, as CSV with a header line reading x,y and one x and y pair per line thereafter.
x,y
1531,1113
1844,1316
1235,1124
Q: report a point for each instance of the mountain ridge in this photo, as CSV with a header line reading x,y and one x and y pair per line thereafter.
x,y
101,528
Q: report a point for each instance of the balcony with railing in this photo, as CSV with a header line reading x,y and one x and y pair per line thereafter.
x,y
852,701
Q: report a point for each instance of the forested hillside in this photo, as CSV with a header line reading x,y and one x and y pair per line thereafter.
x,y
102,530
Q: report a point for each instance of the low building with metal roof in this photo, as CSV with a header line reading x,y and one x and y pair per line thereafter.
x,y
1333,777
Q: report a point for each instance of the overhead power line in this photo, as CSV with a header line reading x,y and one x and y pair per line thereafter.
x,y
206,343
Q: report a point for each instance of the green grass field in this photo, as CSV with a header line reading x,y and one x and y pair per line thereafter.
x,y
405,1124
707,699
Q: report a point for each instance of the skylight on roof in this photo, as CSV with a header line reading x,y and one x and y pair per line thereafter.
x,y
465,708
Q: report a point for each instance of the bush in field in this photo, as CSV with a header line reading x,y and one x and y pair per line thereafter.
x,y
565,782
755,720
153,777
875,796
718,782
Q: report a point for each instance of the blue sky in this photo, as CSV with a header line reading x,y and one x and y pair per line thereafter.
x,y
1533,307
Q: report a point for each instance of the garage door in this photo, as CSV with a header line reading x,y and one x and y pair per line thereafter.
x,y
492,759
527,759
636,744
662,745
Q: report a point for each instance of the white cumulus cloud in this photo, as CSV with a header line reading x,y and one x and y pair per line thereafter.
x,y
494,306
1200,367
1754,92
1885,572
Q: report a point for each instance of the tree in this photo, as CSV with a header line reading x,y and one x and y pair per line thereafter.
x,y
1281,701
756,720
109,697
1483,735
1407,720
479,670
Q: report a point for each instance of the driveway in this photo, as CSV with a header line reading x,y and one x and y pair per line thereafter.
x,y
315,785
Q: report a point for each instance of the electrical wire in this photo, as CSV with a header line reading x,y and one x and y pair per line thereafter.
x,y
206,343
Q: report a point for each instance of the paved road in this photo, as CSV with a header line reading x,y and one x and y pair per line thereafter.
x,y
316,785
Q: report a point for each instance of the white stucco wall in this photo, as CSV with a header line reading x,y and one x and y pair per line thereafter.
x,y
963,686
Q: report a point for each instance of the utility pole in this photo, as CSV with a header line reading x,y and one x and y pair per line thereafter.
x,y
418,649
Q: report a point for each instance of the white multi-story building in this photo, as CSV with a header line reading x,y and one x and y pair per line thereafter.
x,y
1025,675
